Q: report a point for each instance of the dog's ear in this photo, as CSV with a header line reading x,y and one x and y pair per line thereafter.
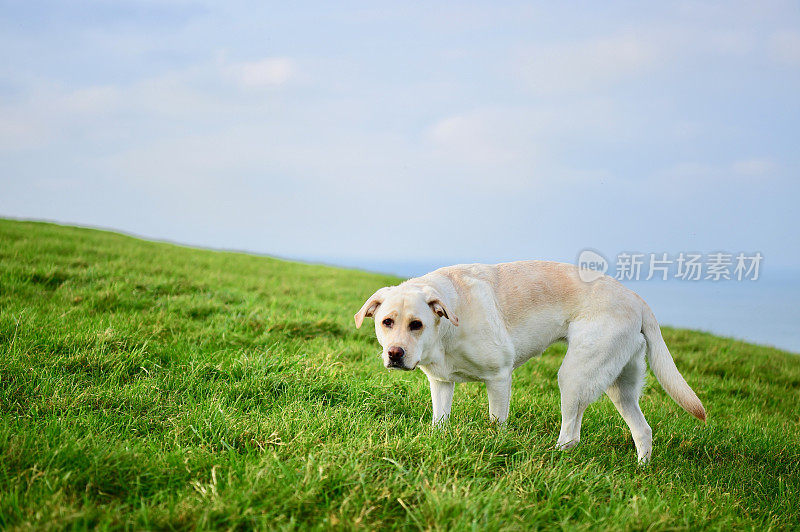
x,y
440,309
369,308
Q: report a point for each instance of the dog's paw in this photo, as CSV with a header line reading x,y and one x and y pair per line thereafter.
x,y
566,445
441,425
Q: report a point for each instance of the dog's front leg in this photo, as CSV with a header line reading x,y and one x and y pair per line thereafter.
x,y
499,392
442,397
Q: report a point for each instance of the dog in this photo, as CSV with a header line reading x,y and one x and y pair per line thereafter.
x,y
479,322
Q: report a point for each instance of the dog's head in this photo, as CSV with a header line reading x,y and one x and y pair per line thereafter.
x,y
407,320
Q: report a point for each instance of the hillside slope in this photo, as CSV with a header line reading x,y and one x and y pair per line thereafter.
x,y
149,385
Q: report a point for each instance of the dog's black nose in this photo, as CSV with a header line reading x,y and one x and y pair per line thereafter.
x,y
395,353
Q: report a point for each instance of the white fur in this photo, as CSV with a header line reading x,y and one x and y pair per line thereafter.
x,y
480,322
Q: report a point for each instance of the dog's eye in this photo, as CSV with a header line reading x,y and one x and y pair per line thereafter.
x,y
388,322
415,325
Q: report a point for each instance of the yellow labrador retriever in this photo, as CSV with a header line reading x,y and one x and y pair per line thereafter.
x,y
479,322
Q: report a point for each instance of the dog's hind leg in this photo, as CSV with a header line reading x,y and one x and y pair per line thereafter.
x,y
624,393
598,350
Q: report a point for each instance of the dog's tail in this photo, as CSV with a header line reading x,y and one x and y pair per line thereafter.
x,y
664,367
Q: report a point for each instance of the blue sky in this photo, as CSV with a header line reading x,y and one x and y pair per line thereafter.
x,y
360,133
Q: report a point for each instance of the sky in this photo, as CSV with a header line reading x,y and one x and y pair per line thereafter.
x,y
380,133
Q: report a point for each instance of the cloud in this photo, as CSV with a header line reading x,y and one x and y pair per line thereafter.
x,y
51,113
17,131
480,136
584,65
754,168
522,144
264,73
740,172
784,47
639,52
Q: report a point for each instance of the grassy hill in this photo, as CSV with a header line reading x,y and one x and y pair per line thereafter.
x,y
148,385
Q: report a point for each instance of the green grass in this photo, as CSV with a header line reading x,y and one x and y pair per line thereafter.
x,y
148,385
